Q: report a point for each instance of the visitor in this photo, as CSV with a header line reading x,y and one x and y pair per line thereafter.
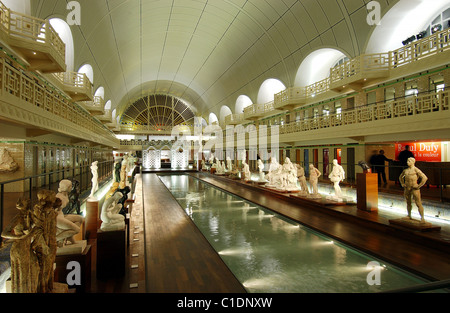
x,y
378,163
404,156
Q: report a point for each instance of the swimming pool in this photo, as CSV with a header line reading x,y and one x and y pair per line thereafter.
x,y
269,253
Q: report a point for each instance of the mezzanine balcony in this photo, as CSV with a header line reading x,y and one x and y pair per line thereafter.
x,y
34,39
257,111
360,71
75,85
95,107
409,115
106,118
235,119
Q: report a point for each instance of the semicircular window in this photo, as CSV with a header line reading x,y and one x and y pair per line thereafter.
x,y
156,113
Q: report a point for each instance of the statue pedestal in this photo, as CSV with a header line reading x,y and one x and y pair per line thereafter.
x,y
91,219
111,253
75,248
82,282
413,224
367,191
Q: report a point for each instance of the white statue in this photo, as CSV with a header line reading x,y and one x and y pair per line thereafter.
x,y
220,168
289,176
211,158
224,168
123,175
262,176
412,179
336,176
246,172
111,219
275,174
314,175
94,180
302,179
67,226
229,164
203,165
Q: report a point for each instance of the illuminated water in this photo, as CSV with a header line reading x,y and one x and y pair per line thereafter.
x,y
270,253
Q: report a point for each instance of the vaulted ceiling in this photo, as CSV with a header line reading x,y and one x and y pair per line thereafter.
x,y
206,52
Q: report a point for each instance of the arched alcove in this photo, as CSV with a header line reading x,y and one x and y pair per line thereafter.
x,y
268,89
316,66
403,20
88,70
224,111
242,102
64,32
20,6
212,118
100,92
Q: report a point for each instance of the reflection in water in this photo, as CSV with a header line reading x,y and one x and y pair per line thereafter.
x,y
270,253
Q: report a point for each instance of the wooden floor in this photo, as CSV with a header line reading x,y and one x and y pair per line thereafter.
x,y
179,259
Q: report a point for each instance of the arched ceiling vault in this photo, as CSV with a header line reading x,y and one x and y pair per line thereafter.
x,y
206,52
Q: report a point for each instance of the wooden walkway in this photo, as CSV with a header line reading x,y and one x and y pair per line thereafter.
x,y
178,257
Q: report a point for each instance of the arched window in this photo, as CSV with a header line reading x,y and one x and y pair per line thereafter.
x,y
224,111
20,6
316,66
241,103
268,89
213,118
64,32
100,92
404,20
87,69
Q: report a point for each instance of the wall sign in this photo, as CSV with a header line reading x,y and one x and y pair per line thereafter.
x,y
423,151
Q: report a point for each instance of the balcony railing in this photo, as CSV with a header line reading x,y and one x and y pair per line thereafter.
x,y
408,106
43,99
96,106
359,71
256,111
235,119
76,85
34,39
106,117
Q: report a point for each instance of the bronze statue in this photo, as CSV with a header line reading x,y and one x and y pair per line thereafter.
x,y
33,247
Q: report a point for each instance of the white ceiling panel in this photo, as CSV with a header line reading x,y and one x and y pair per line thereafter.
x,y
208,51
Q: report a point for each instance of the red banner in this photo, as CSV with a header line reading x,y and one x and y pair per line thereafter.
x,y
423,151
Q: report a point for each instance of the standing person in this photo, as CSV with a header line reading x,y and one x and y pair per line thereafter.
x,y
379,166
404,156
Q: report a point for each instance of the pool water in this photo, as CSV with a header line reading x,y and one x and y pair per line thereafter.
x,y
269,253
